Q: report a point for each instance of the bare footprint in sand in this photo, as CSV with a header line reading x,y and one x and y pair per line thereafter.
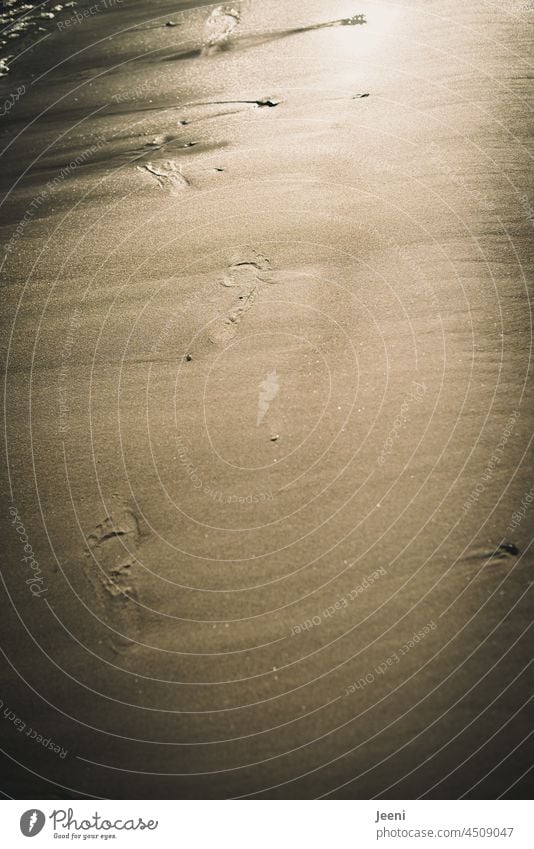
x,y
221,23
110,566
168,175
247,273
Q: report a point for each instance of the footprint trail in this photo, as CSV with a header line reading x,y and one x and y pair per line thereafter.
x,y
110,567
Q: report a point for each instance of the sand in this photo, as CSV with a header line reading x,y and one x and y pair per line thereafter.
x,y
267,414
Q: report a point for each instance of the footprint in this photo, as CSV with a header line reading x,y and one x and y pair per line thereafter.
x,y
245,268
220,25
247,273
110,567
168,175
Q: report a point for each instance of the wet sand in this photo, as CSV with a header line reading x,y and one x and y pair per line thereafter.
x,y
267,344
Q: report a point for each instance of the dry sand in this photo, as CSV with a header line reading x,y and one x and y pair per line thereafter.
x,y
267,340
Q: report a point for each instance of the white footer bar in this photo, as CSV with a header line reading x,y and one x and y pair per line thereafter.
x,y
268,824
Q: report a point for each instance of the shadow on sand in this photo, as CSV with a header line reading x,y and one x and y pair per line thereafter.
x,y
248,41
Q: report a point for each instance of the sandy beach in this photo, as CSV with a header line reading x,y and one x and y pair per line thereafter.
x,y
267,480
